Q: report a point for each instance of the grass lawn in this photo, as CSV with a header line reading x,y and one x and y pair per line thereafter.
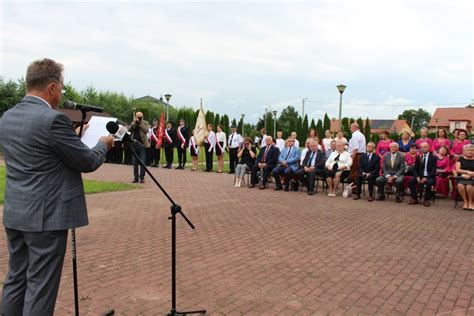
x,y
90,186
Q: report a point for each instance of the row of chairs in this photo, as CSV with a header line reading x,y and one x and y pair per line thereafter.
x,y
320,181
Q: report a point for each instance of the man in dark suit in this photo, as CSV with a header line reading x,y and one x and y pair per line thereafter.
x,y
182,141
393,170
424,175
44,195
369,169
168,144
311,166
267,159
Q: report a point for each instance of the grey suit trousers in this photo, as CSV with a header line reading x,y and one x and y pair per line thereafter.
x,y
36,257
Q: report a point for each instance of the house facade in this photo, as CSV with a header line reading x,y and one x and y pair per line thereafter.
x,y
452,118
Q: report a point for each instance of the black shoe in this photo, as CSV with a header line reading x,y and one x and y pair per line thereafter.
x,y
142,180
169,167
135,181
252,185
278,188
178,167
287,189
398,199
381,198
311,192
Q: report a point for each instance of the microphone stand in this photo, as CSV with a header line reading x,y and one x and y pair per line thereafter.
x,y
73,239
175,209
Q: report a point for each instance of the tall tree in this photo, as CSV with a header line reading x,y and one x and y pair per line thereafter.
x,y
367,132
320,129
304,126
287,120
313,125
327,122
416,118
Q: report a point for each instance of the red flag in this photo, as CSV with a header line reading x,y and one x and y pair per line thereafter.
x,y
160,131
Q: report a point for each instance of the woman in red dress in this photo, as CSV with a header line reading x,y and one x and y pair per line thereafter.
x,y
459,143
383,145
440,140
443,171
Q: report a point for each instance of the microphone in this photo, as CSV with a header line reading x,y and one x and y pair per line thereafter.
x,y
119,131
70,105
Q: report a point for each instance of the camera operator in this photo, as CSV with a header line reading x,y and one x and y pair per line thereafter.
x,y
139,129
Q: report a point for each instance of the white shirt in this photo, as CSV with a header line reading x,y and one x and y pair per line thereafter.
x,y
264,142
357,142
280,143
211,139
297,143
257,140
221,137
235,140
303,154
327,143
425,160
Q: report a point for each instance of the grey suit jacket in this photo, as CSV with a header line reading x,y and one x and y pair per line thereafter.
x,y
44,159
398,167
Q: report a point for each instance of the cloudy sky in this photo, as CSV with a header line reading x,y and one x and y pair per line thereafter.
x,y
245,56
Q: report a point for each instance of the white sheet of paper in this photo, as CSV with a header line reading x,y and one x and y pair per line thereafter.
x,y
96,129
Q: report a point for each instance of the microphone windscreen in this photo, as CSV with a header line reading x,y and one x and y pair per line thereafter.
x,y
112,127
69,105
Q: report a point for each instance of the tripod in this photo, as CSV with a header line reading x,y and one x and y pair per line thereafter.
x,y
175,209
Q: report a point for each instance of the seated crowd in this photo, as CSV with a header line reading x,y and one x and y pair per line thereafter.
x,y
423,168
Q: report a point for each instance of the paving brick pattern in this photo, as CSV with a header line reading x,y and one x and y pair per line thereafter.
x,y
266,253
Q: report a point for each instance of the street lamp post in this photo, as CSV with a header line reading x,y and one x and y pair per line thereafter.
x,y
341,89
168,97
242,118
302,107
274,123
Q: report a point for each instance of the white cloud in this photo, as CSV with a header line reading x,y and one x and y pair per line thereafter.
x,y
245,56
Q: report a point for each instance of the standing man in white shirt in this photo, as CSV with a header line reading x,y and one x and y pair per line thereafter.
x,y
357,147
234,142
280,142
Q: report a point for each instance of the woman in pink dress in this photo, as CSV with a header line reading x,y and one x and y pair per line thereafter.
x,y
444,169
383,145
440,140
424,138
458,143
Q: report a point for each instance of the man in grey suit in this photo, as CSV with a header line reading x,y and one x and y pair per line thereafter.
x,y
393,170
44,195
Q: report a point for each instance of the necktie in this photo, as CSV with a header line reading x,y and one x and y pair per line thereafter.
x,y
370,157
392,160
310,160
231,138
288,154
265,154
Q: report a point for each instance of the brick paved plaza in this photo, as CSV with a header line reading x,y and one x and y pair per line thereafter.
x,y
264,252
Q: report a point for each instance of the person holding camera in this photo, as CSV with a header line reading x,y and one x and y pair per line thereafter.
x,y
139,130
247,160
